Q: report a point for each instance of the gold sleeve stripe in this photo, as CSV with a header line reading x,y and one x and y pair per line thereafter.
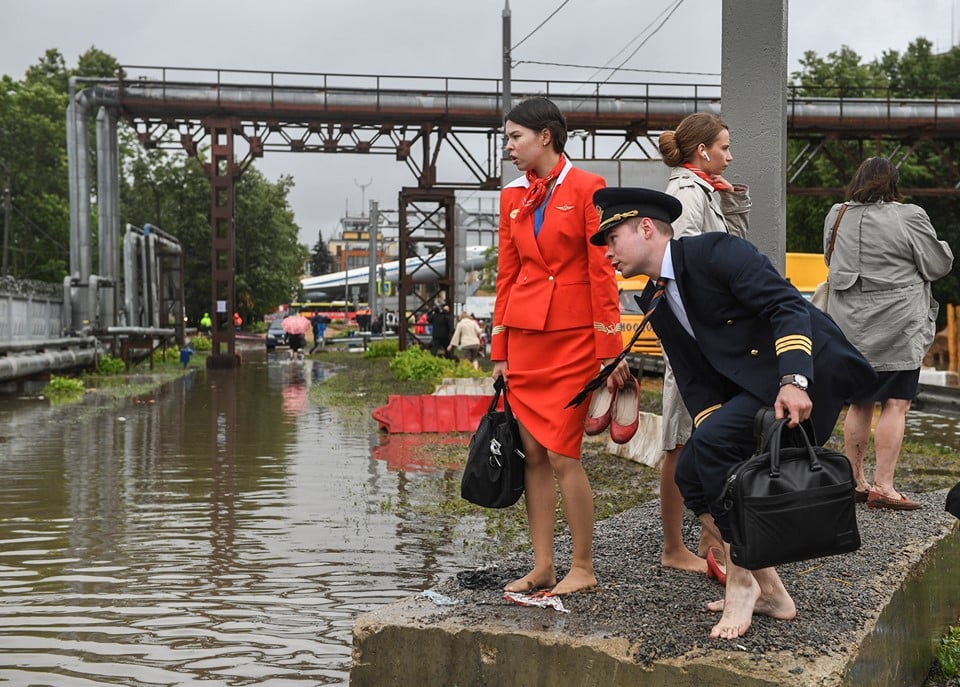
x,y
794,342
608,328
498,329
704,414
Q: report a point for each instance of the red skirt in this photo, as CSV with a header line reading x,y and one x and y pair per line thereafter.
x,y
545,370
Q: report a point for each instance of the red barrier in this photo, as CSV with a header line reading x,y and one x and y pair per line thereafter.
x,y
428,413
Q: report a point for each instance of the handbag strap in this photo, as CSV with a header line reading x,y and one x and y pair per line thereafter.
x,y
833,234
499,388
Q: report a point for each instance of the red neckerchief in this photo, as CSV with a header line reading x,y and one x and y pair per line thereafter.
x,y
537,191
717,185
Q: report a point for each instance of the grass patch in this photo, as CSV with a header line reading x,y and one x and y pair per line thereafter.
x,y
948,653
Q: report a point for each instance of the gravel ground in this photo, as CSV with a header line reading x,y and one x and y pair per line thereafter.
x,y
660,611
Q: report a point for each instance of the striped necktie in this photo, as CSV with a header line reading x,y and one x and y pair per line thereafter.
x,y
605,372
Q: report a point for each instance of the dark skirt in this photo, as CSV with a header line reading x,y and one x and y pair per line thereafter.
x,y
296,341
900,384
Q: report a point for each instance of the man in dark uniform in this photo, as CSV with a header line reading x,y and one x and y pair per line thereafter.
x,y
740,338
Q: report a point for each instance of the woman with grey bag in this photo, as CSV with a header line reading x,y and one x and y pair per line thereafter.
x,y
885,255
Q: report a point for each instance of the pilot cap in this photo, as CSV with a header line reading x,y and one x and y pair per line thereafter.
x,y
617,204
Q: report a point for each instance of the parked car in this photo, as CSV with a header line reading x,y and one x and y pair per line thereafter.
x,y
275,334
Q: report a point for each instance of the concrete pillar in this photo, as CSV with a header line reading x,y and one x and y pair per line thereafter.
x,y
754,105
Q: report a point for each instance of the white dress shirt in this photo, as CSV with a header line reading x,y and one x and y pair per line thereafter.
x,y
673,293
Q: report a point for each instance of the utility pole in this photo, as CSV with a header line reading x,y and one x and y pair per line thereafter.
x,y
6,225
372,279
507,96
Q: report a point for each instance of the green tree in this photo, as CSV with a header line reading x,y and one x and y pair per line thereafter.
x,y
33,165
171,191
269,260
33,161
321,262
917,73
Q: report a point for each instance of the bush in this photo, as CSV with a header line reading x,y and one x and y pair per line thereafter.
x,y
161,355
61,387
201,343
419,364
948,652
382,349
108,365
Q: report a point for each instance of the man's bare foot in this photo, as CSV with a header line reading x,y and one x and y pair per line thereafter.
x,y
771,607
741,597
577,580
763,593
683,559
533,581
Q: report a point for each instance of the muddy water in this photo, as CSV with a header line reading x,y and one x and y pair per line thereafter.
x,y
220,532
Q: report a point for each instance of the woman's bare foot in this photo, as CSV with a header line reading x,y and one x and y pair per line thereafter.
x,y
683,559
577,580
533,581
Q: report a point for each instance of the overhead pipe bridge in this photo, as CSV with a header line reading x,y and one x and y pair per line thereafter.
x,y
241,115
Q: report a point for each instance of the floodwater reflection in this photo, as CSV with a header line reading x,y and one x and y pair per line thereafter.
x,y
222,531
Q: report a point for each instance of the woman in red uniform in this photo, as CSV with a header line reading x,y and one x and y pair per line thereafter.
x,y
556,320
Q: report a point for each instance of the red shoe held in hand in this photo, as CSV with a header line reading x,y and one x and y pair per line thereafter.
x,y
625,415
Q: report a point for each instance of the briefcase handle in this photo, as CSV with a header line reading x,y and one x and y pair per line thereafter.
x,y
775,437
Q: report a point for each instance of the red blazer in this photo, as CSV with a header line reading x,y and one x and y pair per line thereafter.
x,y
559,280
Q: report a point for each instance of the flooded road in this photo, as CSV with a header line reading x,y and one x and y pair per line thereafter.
x,y
222,531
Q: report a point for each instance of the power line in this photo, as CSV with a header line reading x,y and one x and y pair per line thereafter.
x,y
622,69
668,11
671,12
562,4
646,28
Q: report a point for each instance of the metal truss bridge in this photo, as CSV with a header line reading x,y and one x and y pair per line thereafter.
x,y
448,133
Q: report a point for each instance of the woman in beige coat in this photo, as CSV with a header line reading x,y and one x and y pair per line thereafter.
x,y
467,338
698,153
884,257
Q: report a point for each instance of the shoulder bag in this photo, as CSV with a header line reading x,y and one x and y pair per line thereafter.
x,y
821,295
790,504
493,475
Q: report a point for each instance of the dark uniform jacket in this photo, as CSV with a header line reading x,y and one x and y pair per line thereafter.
x,y
751,327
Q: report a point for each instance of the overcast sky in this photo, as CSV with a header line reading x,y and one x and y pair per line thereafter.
x,y
456,38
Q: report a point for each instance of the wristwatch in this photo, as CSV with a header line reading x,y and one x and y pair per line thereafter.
x,y
798,381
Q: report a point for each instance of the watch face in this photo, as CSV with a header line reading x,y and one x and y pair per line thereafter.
x,y
801,381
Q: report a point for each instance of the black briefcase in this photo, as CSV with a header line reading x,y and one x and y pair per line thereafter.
x,y
790,504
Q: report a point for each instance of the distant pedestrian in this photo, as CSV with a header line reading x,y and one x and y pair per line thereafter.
x,y
467,338
319,323
185,354
442,331
205,323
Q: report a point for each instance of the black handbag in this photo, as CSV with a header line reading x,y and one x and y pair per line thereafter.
x,y
493,475
790,504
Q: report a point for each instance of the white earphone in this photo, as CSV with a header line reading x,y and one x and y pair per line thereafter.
x,y
706,157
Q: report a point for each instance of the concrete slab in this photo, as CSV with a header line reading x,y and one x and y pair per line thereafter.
x,y
872,617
